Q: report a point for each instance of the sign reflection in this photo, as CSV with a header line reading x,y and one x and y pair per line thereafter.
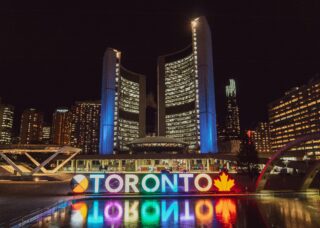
x,y
153,212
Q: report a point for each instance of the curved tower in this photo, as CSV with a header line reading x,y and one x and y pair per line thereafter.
x,y
123,105
186,100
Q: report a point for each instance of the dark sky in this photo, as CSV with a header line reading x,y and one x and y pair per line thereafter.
x,y
51,55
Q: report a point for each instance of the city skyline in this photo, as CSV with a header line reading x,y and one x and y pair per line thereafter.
x,y
278,51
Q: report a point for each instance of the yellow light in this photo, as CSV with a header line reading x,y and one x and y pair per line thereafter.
x,y
224,183
194,22
204,211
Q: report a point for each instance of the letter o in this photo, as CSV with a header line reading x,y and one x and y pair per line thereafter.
x,y
197,179
107,183
144,183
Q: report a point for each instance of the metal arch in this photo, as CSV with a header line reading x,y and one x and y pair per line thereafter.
x,y
70,151
310,175
262,179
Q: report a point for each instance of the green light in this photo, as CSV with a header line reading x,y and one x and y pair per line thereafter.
x,y
150,212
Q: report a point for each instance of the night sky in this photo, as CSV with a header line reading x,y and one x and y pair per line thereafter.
x,y
51,55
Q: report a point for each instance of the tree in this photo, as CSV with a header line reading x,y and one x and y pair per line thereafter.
x,y
248,155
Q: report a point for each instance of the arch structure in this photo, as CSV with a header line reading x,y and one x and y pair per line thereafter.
x,y
311,172
27,150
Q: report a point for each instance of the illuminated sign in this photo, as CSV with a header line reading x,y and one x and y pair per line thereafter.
x,y
152,183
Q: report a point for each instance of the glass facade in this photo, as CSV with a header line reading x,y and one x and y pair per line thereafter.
x,y
294,115
85,119
232,112
186,99
31,126
261,138
61,127
181,118
123,105
6,123
127,107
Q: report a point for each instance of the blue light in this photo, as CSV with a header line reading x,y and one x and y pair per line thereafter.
x,y
166,213
95,216
165,179
96,178
107,102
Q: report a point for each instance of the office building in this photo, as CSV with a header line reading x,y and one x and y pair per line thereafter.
x,y
186,97
296,114
261,138
232,122
31,126
123,105
85,119
6,123
61,126
46,134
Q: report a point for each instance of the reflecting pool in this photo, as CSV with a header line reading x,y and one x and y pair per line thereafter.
x,y
187,212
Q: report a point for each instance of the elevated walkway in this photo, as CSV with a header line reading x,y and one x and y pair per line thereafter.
x,y
27,150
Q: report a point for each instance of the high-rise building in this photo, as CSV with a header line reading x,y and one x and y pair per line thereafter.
x,y
46,134
232,122
61,126
123,105
6,123
85,119
296,114
31,126
186,97
261,138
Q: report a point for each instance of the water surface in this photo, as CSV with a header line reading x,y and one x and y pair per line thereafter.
x,y
188,212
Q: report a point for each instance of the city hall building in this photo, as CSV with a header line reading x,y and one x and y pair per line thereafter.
x,y
186,98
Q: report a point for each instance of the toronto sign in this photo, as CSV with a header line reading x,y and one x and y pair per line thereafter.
x,y
152,183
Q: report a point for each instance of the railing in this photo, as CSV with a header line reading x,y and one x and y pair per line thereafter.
x,y
36,214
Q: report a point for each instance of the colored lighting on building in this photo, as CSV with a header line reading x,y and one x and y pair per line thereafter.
x,y
224,183
152,183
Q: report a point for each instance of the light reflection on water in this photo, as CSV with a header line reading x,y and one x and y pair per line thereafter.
x,y
207,212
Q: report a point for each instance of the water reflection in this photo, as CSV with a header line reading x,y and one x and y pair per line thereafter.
x,y
206,212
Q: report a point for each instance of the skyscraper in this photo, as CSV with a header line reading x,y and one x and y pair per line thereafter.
x,y
85,119
296,114
123,105
6,123
31,126
261,138
61,126
186,97
46,134
232,123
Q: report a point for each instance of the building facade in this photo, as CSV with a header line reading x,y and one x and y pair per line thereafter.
x,y
46,134
31,126
123,105
296,114
61,126
232,122
85,119
186,97
6,123
261,138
